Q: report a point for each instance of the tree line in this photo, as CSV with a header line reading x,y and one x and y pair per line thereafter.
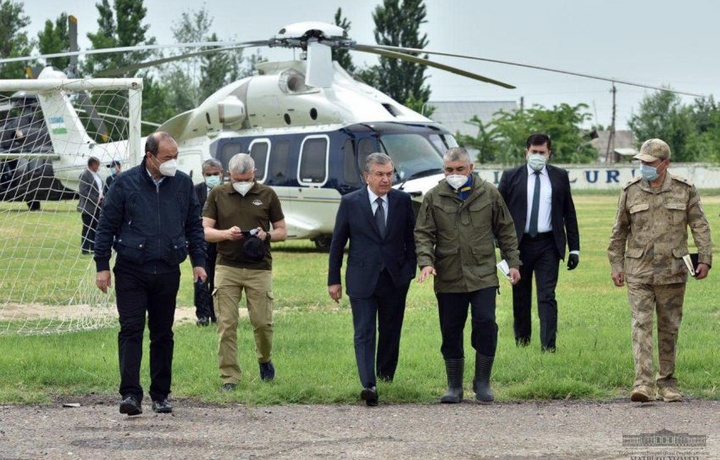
x,y
693,131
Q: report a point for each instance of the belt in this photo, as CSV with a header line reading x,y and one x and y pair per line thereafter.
x,y
538,237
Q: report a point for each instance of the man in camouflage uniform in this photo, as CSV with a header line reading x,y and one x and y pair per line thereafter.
x,y
458,223
648,242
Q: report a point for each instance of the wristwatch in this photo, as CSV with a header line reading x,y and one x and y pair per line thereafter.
x,y
268,236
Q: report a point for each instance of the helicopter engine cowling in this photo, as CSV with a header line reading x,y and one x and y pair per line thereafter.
x,y
231,111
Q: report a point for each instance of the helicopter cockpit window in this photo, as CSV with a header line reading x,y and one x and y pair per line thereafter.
x,y
413,155
312,168
365,148
350,172
259,152
443,142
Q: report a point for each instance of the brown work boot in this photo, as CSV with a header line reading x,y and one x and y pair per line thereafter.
x,y
642,393
669,394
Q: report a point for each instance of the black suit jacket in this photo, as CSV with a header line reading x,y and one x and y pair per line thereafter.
x,y
368,251
201,192
513,188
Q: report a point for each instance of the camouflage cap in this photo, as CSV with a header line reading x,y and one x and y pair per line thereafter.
x,y
653,150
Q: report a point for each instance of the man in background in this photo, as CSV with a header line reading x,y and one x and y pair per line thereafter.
x,y
90,203
212,172
379,221
647,246
152,219
539,199
238,217
115,168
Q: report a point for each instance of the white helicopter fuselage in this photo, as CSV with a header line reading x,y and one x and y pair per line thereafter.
x,y
308,143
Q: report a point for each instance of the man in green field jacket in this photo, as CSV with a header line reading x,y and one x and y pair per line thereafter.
x,y
459,221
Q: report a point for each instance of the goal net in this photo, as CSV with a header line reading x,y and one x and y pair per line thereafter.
x,y
49,128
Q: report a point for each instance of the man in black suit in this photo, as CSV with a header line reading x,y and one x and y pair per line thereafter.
x,y
212,172
379,222
91,195
542,208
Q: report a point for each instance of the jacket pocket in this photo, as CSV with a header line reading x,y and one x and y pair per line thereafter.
x,y
177,252
448,264
133,248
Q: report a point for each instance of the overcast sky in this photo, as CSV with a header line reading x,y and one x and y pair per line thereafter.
x,y
654,42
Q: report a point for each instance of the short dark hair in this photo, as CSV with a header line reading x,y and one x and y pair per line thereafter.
x,y
152,143
538,139
93,161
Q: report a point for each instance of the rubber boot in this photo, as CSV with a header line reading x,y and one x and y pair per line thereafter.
x,y
481,384
454,369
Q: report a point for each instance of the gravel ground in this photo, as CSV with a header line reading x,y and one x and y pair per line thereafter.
x,y
527,430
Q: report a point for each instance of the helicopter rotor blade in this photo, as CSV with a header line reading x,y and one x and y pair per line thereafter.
x,y
535,67
391,53
124,49
142,65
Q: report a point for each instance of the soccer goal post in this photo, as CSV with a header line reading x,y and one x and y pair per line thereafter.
x,y
49,129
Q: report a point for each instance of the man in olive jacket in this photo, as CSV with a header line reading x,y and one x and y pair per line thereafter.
x,y
458,223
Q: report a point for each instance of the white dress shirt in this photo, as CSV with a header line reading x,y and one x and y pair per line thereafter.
x,y
544,221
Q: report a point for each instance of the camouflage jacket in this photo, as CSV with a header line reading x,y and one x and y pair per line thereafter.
x,y
457,237
650,235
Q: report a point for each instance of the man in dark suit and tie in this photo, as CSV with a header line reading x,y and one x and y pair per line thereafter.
x,y
379,222
539,199
91,195
212,172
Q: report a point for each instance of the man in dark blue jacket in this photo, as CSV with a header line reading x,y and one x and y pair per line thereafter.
x,y
151,217
379,221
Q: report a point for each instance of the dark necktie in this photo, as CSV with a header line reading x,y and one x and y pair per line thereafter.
x,y
380,216
533,227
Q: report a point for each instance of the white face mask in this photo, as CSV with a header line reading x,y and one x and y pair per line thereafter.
x,y
242,187
536,161
212,181
168,168
456,180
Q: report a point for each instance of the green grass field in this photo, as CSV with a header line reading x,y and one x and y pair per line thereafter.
x,y
313,350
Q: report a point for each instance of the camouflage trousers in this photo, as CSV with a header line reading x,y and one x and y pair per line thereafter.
x,y
667,301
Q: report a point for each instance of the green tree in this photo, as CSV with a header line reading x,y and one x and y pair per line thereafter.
x,y
397,23
342,56
662,115
704,141
122,25
190,80
502,140
54,39
14,40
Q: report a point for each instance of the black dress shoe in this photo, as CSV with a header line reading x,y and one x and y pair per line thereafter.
x,y
203,321
130,406
385,378
228,387
162,406
370,396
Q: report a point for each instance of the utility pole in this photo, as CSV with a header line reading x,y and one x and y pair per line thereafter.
x,y
611,137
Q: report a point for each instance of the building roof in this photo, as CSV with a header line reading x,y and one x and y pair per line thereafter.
x,y
623,145
454,115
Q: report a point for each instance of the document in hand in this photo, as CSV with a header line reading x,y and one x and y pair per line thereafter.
x,y
691,262
504,268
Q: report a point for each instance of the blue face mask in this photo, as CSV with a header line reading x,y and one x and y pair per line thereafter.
x,y
649,173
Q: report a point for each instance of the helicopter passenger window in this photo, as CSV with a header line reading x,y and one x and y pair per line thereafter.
x,y
259,153
228,151
313,160
279,163
350,172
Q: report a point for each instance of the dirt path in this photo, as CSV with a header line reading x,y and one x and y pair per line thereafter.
x,y
527,430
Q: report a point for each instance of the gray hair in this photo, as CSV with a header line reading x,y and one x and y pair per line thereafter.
x,y
376,159
457,154
212,163
242,163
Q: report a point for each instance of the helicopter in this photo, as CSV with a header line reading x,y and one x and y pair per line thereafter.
x,y
307,123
